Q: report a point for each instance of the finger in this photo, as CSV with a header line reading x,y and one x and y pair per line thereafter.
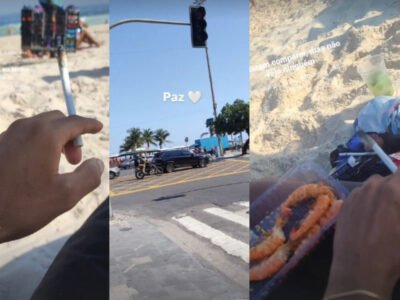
x,y
70,127
395,176
49,115
372,181
72,153
80,182
35,121
393,184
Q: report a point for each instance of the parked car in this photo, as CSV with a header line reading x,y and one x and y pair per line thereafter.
x,y
172,159
114,172
127,164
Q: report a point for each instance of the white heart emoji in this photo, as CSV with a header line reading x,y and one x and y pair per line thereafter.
x,y
194,96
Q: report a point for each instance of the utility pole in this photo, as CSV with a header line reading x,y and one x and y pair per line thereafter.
x,y
220,150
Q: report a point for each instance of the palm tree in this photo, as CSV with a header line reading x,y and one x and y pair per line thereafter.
x,y
148,137
160,136
133,141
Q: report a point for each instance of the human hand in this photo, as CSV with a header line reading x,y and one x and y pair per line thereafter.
x,y
367,239
32,191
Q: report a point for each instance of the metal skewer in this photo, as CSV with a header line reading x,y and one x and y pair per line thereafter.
x,y
370,143
69,100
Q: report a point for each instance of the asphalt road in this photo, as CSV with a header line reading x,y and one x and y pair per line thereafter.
x,y
128,184
182,235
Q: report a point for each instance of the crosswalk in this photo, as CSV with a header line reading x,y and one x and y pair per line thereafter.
x,y
226,228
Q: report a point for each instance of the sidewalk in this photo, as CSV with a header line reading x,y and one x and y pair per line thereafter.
x,y
145,264
233,154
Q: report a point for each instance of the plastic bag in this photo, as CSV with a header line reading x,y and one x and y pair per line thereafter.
x,y
380,115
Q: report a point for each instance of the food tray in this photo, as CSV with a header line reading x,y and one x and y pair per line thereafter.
x,y
265,209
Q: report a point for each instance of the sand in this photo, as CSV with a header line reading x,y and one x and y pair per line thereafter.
x,y
303,114
32,86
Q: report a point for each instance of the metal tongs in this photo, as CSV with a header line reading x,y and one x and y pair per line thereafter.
x,y
370,143
66,83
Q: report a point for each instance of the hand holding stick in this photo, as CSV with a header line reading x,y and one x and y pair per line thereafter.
x,y
69,100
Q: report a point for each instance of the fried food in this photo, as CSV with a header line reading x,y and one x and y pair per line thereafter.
x,y
269,245
274,251
317,211
312,190
270,266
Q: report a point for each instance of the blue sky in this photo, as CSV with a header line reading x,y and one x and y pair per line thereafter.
x,y
147,60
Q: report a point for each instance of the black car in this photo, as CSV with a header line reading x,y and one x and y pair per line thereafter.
x,y
169,160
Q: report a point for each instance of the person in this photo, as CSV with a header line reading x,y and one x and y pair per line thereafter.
x,y
35,193
366,259
85,36
359,260
212,151
51,10
246,147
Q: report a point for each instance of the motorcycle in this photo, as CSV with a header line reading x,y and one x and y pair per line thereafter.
x,y
147,168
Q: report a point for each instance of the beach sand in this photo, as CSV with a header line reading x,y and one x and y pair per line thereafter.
x,y
303,114
29,87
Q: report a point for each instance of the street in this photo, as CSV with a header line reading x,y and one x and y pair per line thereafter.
x,y
185,233
128,184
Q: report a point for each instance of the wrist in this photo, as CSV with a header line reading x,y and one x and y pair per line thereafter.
x,y
354,295
343,280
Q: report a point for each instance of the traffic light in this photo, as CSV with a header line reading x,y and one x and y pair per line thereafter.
x,y
198,26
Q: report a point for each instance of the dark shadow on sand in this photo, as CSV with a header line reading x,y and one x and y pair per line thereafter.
x,y
94,73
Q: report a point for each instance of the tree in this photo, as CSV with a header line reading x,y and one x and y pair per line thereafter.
x,y
160,136
148,137
233,118
133,141
210,126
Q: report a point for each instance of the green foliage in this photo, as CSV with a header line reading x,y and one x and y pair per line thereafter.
x,y
133,141
148,137
160,136
233,118
211,128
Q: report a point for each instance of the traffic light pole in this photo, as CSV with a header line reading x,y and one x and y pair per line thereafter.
x,y
220,150
151,21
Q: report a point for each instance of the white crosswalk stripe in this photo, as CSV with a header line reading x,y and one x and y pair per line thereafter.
x,y
207,223
228,244
228,215
243,203
245,214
